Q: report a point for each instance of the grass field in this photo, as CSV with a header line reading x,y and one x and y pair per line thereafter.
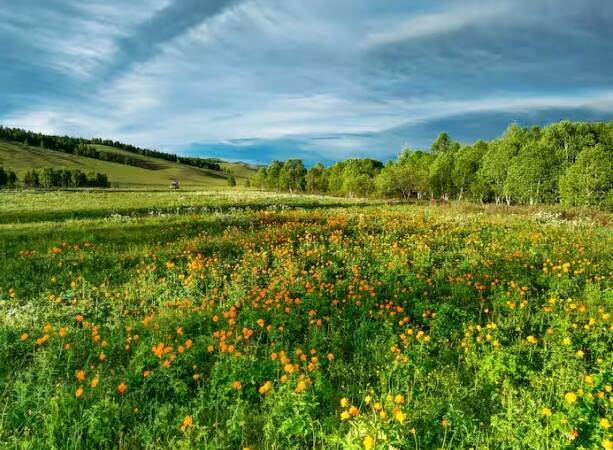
x,y
158,174
249,320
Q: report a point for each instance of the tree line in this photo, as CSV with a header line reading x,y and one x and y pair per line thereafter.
x,y
566,162
54,178
86,147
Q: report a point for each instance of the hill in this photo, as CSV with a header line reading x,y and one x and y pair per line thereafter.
x,y
143,171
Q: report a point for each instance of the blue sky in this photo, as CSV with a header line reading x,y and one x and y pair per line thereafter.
x,y
319,79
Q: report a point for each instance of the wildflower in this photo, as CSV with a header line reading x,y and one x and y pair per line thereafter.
x,y
604,423
399,399
570,398
300,387
354,411
579,354
24,337
369,443
187,422
589,380
94,382
122,388
79,392
368,399
344,402
607,444
532,340
546,412
80,375
265,388
345,415
445,422
399,415
237,385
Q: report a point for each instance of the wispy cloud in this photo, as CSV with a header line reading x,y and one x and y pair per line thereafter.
x,y
266,78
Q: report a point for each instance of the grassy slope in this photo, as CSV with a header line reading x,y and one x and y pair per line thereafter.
x,y
21,159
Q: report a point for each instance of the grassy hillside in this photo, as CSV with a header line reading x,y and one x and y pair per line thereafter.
x,y
155,173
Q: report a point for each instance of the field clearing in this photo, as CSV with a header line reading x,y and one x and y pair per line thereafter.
x,y
230,319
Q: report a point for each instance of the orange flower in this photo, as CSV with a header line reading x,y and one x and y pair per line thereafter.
x,y
94,382
80,375
24,336
189,343
187,422
79,392
265,388
122,388
237,385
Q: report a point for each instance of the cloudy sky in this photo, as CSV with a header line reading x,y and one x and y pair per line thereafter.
x,y
319,79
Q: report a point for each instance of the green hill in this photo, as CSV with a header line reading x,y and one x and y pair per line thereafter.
x,y
149,172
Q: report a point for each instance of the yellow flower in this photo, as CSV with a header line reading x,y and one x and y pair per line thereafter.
x,y
344,402
399,415
570,398
345,415
399,399
607,444
369,443
79,392
94,382
579,354
187,422
532,340
265,388
300,387
546,412
604,423
589,380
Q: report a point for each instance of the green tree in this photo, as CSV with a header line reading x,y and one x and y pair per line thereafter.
x,y
3,177
589,181
259,179
292,176
315,179
11,179
466,165
533,175
231,180
495,166
272,175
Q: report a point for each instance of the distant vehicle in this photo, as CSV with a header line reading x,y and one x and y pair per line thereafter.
x,y
174,184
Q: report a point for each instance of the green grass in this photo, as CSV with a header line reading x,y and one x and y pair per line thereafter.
x,y
240,319
160,172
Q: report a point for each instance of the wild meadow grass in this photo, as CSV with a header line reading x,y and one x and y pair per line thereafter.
x,y
248,320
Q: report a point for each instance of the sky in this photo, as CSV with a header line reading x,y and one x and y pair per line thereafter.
x,y
321,80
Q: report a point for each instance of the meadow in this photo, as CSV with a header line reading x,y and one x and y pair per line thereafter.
x,y
245,320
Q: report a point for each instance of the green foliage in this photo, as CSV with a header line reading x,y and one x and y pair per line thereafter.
x,y
245,319
231,180
523,166
589,182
